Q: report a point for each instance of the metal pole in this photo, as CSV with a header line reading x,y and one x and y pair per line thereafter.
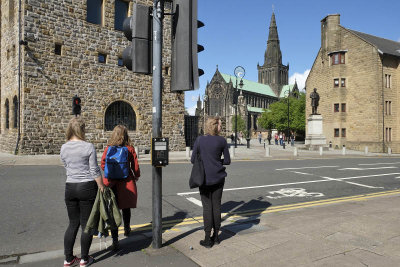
x,y
288,127
236,104
158,13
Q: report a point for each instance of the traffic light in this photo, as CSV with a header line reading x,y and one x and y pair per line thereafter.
x,y
76,105
184,64
137,29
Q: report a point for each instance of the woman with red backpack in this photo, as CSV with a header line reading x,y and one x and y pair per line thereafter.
x,y
121,172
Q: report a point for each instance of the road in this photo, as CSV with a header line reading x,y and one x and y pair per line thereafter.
x,y
34,216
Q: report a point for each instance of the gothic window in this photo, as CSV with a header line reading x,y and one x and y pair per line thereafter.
x,y
120,112
7,106
15,106
121,12
94,11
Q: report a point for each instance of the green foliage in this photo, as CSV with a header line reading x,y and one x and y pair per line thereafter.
x,y
241,125
277,115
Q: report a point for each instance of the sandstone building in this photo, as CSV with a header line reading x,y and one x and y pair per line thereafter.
x,y
357,76
56,49
253,97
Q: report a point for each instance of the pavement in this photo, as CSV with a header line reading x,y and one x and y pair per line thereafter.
x,y
349,231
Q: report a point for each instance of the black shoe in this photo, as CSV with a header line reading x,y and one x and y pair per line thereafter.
x,y
127,231
207,243
215,239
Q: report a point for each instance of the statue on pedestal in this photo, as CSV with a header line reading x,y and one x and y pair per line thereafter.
x,y
314,101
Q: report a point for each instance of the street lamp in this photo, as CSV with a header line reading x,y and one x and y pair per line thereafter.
x,y
287,94
239,73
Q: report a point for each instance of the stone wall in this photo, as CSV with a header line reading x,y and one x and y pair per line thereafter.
x,y
362,94
50,81
9,73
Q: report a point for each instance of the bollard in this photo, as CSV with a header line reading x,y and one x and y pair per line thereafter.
x,y
188,153
267,152
389,151
366,150
295,152
137,151
321,151
264,144
344,151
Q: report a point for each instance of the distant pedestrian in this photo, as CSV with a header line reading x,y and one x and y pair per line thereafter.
x,y
276,139
232,140
83,181
280,139
259,137
240,135
124,189
211,148
269,138
292,139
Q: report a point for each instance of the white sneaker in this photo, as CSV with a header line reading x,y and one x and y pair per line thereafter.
x,y
86,263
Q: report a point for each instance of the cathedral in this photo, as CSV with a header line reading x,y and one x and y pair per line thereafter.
x,y
252,97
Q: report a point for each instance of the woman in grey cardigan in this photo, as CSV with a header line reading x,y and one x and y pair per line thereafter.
x,y
83,180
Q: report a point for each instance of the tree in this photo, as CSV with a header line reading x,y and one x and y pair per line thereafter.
x,y
241,127
277,115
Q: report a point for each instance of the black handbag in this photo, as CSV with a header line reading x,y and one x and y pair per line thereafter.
x,y
197,177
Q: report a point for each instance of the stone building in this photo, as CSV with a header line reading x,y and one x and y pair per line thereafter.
x,y
60,48
253,97
357,76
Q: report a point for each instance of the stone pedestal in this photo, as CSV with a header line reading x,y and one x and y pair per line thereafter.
x,y
315,137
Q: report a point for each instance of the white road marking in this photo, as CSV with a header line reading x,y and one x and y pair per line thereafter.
x,y
302,173
364,169
368,164
294,183
301,168
353,183
195,201
293,192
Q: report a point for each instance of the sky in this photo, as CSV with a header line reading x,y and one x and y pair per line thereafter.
x,y
236,33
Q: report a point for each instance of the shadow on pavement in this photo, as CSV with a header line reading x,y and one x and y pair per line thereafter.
x,y
132,244
248,214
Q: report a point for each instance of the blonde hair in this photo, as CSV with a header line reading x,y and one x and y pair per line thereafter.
x,y
76,127
119,136
212,125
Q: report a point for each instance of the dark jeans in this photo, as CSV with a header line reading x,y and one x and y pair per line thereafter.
x,y
79,199
211,200
126,217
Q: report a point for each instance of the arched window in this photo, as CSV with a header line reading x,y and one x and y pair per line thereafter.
x,y
7,106
15,106
120,113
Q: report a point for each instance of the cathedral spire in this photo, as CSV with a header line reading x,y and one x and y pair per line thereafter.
x,y
273,54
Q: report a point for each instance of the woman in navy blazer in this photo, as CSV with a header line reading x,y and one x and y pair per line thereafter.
x,y
211,147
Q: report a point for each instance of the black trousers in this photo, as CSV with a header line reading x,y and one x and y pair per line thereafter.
x,y
79,199
211,200
126,217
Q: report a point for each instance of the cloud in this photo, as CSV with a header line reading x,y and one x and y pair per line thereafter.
x,y
300,78
192,110
194,98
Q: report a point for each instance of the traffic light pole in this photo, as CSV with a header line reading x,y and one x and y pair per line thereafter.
x,y
158,14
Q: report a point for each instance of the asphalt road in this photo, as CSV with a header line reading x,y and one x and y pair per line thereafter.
x,y
33,215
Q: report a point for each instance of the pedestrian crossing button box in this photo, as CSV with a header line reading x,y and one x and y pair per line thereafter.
x,y
159,151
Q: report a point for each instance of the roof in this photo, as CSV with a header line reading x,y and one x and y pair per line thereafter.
x,y
254,109
250,86
285,89
385,46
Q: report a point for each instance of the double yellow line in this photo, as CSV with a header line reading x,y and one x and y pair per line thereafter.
x,y
239,215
